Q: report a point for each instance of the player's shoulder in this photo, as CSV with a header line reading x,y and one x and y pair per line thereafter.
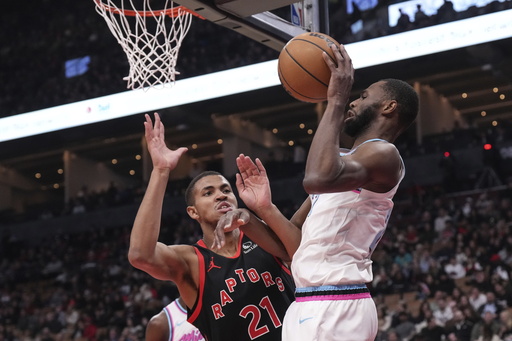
x,y
158,318
157,328
379,147
182,252
182,247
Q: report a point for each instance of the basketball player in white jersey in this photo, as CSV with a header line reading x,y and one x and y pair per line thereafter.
x,y
171,325
334,233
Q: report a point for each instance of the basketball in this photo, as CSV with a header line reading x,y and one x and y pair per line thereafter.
x,y
302,69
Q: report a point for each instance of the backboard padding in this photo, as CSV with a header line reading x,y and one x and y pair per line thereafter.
x,y
264,27
245,8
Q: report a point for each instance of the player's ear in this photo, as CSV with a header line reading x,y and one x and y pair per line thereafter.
x,y
390,107
192,212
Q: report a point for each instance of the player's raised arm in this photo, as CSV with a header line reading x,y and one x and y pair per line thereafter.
x,y
323,165
145,252
254,189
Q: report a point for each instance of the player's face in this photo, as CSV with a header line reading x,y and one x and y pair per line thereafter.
x,y
213,198
357,124
363,111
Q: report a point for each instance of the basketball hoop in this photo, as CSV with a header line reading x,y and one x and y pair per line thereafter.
x,y
151,38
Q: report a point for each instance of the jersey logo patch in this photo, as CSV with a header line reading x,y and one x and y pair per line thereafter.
x,y
248,246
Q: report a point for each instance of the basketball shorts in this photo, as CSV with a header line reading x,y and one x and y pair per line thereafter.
x,y
331,313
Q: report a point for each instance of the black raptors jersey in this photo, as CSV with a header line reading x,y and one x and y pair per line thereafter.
x,y
241,298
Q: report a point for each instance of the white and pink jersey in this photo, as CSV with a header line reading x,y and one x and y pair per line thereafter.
x,y
179,328
340,234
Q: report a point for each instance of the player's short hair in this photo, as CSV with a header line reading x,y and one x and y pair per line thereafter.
x,y
406,97
189,192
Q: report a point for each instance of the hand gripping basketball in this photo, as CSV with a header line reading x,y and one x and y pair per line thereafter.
x,y
302,69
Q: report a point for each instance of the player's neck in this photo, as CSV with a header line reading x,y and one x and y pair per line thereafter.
x,y
374,134
230,247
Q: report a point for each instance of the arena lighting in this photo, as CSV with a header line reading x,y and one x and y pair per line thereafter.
x,y
458,34
190,90
487,146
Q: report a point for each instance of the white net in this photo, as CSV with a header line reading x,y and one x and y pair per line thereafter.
x,y
150,38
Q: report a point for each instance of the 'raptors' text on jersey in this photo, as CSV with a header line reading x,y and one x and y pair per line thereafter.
x,y
243,297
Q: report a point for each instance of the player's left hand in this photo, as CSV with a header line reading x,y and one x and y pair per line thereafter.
x,y
252,184
342,74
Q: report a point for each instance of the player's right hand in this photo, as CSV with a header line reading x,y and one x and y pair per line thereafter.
x,y
162,157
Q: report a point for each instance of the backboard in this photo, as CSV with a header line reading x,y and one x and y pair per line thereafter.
x,y
255,20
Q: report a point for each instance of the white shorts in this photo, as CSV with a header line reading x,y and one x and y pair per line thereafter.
x,y
333,313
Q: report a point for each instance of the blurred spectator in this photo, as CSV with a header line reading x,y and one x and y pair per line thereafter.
x,y
420,18
454,269
433,331
445,13
443,312
505,331
382,284
487,329
441,220
405,329
384,318
460,326
491,305
503,292
404,22
476,298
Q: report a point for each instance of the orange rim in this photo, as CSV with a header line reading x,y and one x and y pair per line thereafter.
x,y
171,12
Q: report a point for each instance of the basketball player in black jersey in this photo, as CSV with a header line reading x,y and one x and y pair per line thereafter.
x,y
239,292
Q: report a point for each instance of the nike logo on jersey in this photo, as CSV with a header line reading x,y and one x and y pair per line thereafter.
x,y
180,323
301,321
